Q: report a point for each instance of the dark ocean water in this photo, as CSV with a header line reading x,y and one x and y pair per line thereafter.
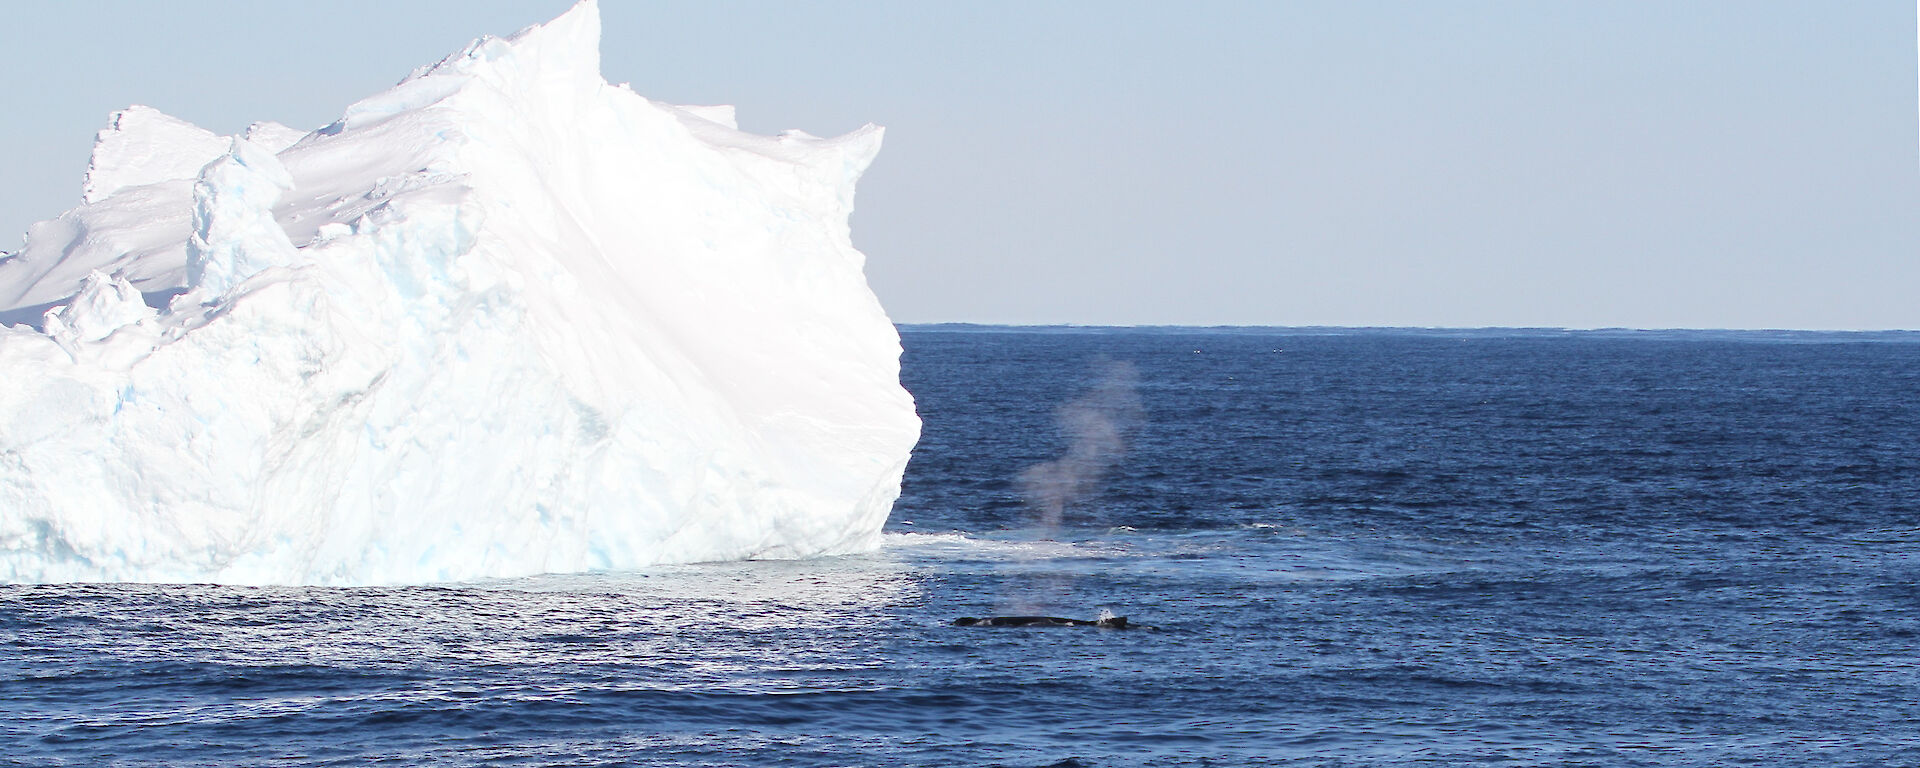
x,y
1395,548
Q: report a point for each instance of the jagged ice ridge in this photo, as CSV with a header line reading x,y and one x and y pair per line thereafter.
x,y
502,319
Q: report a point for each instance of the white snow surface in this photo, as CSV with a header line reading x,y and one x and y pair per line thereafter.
x,y
142,145
502,319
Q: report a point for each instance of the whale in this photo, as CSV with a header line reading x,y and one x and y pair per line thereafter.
x,y
1108,622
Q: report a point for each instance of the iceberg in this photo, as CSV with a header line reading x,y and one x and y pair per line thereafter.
x,y
502,319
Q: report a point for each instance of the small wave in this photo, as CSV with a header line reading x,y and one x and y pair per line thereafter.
x,y
961,546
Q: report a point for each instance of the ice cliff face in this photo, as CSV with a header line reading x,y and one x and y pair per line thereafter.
x,y
502,319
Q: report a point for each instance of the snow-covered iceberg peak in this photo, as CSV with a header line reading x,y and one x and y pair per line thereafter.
x,y
140,146
502,319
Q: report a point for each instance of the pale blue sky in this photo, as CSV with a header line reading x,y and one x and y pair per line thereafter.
x,y
1645,164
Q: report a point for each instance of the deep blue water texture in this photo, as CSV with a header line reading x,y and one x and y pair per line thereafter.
x,y
1359,547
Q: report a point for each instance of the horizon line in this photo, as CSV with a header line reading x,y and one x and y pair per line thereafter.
x,y
1434,328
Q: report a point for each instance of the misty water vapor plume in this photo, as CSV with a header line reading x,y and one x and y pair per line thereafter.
x,y
1096,425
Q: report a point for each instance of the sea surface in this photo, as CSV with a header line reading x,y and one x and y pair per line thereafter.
x,y
1352,548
